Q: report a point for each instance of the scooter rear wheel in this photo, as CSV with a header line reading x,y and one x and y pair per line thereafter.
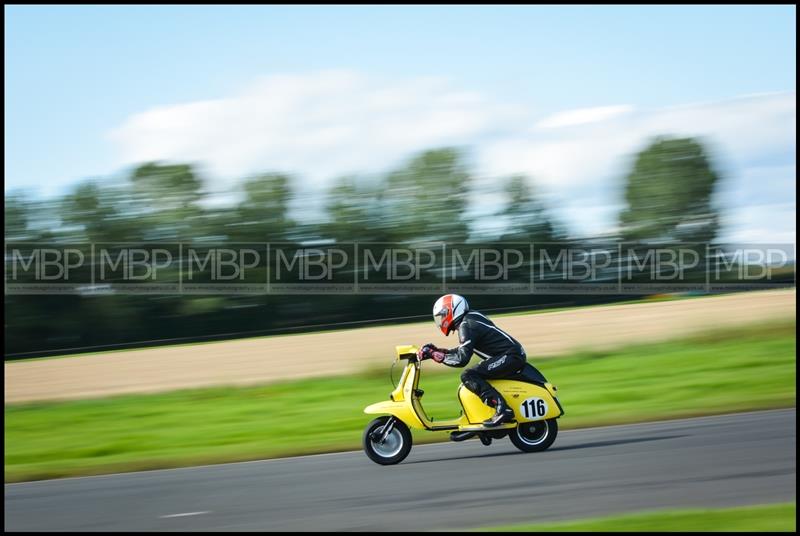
x,y
534,436
394,448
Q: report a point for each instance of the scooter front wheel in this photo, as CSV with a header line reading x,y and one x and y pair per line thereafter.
x,y
534,436
387,448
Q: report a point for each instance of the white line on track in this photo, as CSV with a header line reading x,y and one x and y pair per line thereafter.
x,y
186,514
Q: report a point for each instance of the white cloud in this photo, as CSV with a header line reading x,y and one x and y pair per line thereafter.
x,y
318,125
749,139
583,116
325,124
768,223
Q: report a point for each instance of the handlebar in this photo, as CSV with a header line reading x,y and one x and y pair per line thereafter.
x,y
410,353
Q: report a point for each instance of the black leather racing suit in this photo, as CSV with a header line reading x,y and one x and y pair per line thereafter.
x,y
501,355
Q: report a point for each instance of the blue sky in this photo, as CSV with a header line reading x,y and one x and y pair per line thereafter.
x,y
76,75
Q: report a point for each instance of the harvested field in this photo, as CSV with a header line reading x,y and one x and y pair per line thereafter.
x,y
267,359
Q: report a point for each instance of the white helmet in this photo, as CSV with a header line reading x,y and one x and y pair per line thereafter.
x,y
448,312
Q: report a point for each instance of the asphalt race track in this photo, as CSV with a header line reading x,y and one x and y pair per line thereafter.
x,y
729,460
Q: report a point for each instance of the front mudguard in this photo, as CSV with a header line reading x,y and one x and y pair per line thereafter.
x,y
401,410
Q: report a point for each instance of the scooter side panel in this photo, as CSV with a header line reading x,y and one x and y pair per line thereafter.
x,y
474,408
529,402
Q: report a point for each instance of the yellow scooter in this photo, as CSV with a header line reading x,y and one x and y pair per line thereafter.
x,y
387,439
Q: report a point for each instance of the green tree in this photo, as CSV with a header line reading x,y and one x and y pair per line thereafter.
x,y
354,212
668,192
168,186
262,216
17,214
166,201
92,210
527,218
428,197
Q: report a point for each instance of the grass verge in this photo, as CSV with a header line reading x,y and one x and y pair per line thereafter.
x,y
762,518
718,372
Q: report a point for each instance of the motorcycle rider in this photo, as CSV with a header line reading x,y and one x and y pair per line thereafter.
x,y
501,354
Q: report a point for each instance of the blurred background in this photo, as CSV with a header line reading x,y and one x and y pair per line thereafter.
x,y
606,130
312,125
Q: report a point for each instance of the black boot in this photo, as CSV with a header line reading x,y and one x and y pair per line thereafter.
x,y
461,436
502,413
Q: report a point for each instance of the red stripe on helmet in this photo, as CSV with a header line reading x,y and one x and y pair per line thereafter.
x,y
448,319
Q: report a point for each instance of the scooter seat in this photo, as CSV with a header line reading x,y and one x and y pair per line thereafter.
x,y
528,374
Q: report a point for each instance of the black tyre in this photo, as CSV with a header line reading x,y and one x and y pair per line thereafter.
x,y
534,436
394,448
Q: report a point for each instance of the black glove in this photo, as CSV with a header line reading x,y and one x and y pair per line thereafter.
x,y
430,351
426,352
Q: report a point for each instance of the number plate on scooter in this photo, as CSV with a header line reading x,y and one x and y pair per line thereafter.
x,y
533,408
